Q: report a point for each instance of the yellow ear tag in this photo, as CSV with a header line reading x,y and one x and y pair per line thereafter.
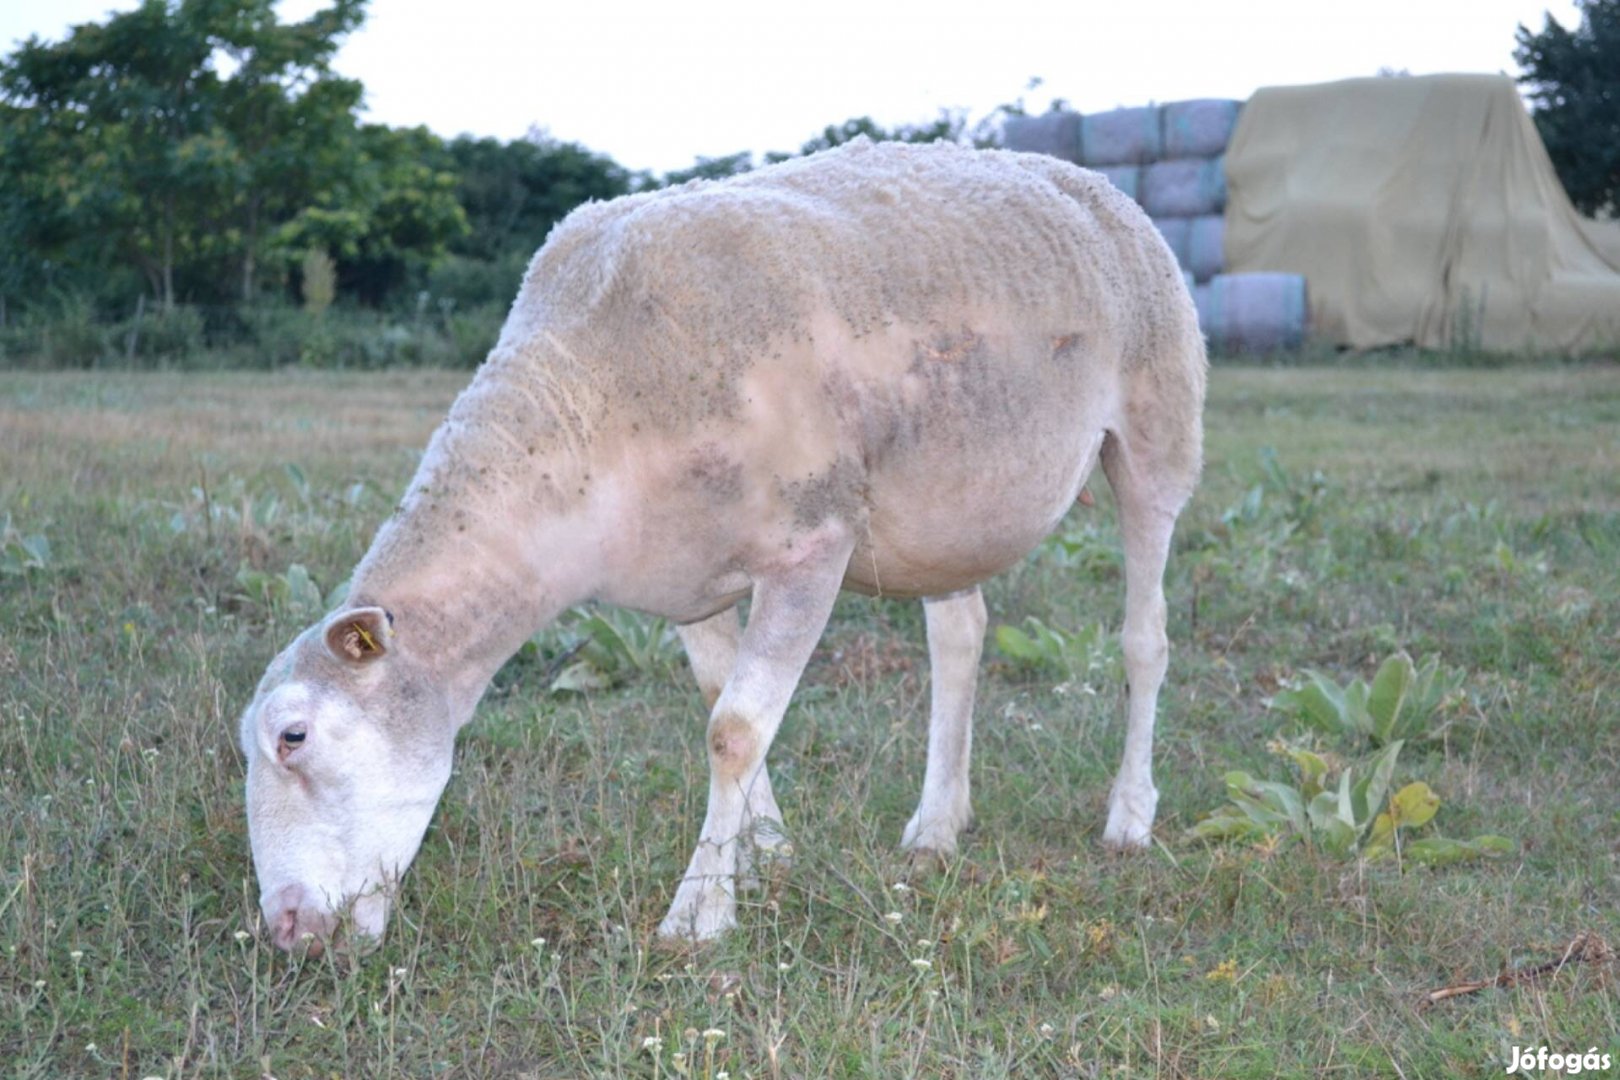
x,y
366,640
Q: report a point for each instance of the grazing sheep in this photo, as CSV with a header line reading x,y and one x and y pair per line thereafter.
x,y
886,368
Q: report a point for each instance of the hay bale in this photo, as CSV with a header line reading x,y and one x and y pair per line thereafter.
x,y
1176,233
1206,246
1056,133
1252,312
1128,178
1121,137
1199,128
1186,188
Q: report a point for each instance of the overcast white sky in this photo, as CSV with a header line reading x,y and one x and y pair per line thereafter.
x,y
656,83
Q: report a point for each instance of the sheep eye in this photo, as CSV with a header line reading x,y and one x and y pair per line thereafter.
x,y
291,740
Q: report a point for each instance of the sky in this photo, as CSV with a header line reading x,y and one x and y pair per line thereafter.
x,y
656,84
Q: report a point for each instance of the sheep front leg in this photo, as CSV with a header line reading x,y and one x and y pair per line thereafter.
x,y
791,604
711,649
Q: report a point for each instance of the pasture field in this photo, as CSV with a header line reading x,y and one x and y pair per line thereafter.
x,y
165,535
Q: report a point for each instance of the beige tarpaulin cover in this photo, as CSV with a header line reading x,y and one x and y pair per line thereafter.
x,y
1419,209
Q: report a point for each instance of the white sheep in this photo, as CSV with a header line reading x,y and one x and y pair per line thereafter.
x,y
886,368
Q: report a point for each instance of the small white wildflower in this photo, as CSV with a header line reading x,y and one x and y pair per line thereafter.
x,y
722,1075
150,753
783,965
376,1007
901,887
1036,727
924,943
713,1035
538,943
241,935
1047,1031
76,955
90,1048
400,973
894,917
39,984
922,963
652,1044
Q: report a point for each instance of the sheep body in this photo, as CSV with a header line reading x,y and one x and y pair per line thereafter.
x,y
888,368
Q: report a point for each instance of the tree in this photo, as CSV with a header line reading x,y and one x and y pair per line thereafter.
x,y
515,192
1574,81
400,212
125,142
290,120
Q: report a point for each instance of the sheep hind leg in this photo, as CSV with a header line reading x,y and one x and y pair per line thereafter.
x,y
955,640
711,649
1148,506
790,608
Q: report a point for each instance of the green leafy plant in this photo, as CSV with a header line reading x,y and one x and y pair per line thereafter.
x,y
1257,540
1087,549
1403,703
1038,649
22,552
291,594
610,647
1341,819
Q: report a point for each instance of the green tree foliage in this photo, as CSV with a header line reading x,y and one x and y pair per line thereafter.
x,y
196,151
1574,81
397,213
515,192
128,143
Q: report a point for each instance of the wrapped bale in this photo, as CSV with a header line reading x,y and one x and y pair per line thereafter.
x,y
1128,178
1176,233
1056,133
1121,137
1206,246
1186,188
1200,128
1252,312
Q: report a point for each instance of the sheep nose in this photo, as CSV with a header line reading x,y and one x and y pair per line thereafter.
x,y
293,923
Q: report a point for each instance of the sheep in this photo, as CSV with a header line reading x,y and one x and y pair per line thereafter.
x,y
884,368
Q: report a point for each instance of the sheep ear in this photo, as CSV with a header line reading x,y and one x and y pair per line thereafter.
x,y
359,635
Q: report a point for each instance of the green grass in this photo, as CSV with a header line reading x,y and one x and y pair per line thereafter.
x,y
1474,513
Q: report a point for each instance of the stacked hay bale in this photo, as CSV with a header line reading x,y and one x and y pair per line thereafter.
x,y
1172,160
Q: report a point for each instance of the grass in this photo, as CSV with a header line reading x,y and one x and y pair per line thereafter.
x,y
1473,513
